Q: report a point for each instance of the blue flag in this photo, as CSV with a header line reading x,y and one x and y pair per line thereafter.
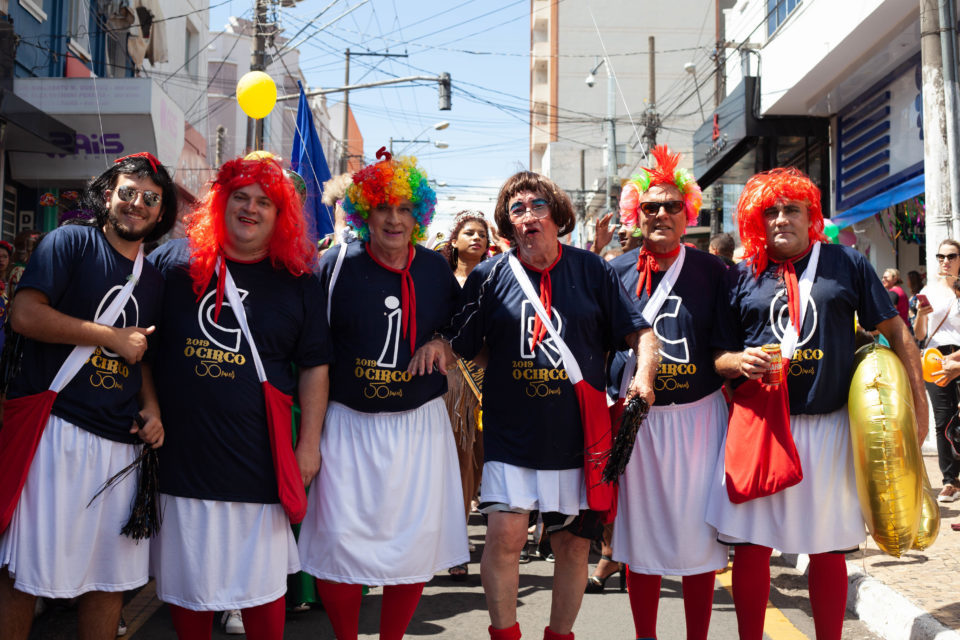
x,y
307,159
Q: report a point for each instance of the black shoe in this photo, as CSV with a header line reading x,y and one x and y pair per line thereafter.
x,y
524,556
596,584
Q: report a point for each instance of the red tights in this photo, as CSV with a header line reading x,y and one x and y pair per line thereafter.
x,y
644,591
264,622
827,581
342,604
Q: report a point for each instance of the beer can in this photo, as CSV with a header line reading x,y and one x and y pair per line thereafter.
x,y
773,375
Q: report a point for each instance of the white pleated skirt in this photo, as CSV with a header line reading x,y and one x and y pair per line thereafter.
x,y
562,491
820,514
661,526
387,507
57,547
216,556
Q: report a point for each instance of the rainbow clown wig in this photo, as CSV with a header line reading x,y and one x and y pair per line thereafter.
x,y
389,182
289,248
765,190
665,172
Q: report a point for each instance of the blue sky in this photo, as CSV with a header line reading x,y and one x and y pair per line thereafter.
x,y
483,44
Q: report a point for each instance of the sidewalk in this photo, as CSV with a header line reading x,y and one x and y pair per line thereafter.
x,y
916,597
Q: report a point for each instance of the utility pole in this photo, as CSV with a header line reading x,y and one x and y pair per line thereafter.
x,y
948,51
345,137
258,63
651,119
935,161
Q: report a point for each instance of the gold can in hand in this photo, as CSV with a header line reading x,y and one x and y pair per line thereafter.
x,y
773,375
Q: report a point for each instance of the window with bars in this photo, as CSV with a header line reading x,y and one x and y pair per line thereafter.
x,y
777,12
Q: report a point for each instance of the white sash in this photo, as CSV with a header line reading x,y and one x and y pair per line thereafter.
x,y
805,284
108,316
333,277
233,297
569,362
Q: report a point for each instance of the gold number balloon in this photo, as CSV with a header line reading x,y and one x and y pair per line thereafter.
x,y
886,453
929,517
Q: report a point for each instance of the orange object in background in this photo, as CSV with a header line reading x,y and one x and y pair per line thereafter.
x,y
931,362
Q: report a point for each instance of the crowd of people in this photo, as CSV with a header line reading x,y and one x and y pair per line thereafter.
x,y
429,383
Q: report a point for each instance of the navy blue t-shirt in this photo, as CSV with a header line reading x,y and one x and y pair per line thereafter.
x,y
371,353
217,444
846,284
531,417
81,273
688,327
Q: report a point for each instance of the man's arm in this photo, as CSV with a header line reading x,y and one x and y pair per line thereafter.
x,y
152,430
644,343
32,316
897,334
314,393
750,363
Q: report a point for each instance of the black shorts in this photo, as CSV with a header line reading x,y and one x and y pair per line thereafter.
x,y
587,524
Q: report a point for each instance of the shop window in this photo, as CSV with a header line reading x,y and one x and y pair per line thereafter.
x,y
78,28
777,12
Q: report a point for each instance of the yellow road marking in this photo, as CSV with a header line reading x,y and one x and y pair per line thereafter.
x,y
139,610
775,625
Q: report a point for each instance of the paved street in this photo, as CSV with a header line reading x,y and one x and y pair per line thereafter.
x,y
457,610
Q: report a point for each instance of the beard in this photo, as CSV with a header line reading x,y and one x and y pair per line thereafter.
x,y
125,232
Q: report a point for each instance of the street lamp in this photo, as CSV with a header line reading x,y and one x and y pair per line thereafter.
x,y
439,144
438,126
691,68
612,172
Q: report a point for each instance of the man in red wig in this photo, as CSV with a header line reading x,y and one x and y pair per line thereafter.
x,y
87,302
796,290
241,307
680,290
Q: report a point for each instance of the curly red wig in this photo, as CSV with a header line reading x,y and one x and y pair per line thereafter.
x,y
289,249
761,192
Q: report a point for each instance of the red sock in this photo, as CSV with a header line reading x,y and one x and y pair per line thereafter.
x,y
510,633
698,603
399,603
751,588
827,581
644,592
342,604
550,634
265,622
191,625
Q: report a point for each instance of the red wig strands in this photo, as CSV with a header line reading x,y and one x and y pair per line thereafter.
x,y
289,248
763,191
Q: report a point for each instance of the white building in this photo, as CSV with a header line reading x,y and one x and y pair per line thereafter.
x,y
568,118
834,89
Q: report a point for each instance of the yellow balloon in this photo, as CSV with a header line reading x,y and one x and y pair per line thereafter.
x,y
929,517
256,93
886,454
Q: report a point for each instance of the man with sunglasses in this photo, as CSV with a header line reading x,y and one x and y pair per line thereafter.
x,y
794,287
56,546
660,528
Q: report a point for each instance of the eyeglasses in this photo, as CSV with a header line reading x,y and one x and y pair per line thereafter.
x,y
129,194
653,208
538,208
946,257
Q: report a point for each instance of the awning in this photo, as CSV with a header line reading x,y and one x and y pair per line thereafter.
x,y
903,191
26,128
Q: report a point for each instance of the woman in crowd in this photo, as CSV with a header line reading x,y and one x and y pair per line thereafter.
x,y
384,510
533,436
938,325
468,245
891,282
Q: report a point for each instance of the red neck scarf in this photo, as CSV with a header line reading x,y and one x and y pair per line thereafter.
x,y
408,296
546,296
647,266
786,271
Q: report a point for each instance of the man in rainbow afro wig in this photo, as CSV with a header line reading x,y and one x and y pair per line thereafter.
x,y
802,294
659,528
386,509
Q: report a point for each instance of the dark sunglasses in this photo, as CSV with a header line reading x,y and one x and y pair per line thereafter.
x,y
129,194
653,208
948,257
